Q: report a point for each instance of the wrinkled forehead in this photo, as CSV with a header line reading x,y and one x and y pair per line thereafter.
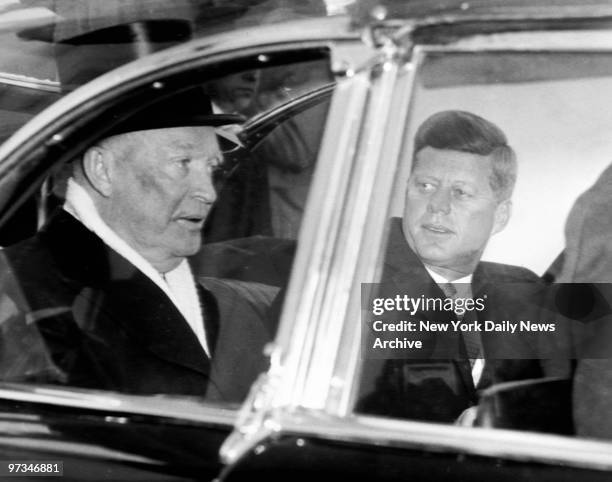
x,y
181,136
199,139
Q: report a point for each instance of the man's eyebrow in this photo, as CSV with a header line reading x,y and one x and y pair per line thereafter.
x,y
181,144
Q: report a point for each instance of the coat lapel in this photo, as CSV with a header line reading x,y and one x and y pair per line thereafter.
x,y
211,315
128,297
408,275
147,313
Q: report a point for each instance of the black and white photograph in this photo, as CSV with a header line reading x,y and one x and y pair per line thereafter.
x,y
306,240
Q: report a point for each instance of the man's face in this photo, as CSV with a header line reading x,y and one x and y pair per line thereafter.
x,y
162,190
451,210
236,92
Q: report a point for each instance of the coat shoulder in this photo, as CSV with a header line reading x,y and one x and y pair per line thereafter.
x,y
506,273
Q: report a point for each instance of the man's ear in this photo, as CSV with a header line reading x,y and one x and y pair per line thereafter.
x,y
502,216
98,169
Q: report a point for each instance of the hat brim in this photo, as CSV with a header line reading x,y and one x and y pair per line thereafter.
x,y
141,122
228,140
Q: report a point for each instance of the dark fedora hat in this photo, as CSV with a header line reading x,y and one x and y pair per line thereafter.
x,y
187,108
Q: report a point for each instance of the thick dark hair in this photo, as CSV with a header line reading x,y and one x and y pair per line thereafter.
x,y
466,132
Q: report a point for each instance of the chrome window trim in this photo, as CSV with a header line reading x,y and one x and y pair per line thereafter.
x,y
479,11
567,40
324,384
375,220
497,443
183,409
29,82
321,229
326,266
281,389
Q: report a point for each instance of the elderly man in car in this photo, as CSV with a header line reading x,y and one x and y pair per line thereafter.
x,y
103,296
457,197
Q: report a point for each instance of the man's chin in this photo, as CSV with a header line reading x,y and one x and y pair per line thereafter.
x,y
188,249
462,263
430,252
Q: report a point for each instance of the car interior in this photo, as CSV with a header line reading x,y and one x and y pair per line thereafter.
x,y
551,113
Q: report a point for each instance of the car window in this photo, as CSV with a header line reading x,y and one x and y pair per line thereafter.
x,y
85,302
473,317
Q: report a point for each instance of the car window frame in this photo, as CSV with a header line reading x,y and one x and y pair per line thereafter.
x,y
304,352
49,129
337,401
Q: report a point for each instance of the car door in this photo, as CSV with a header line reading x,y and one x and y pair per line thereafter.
x,y
97,434
542,81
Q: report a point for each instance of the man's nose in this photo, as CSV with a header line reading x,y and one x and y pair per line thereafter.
x,y
440,201
202,185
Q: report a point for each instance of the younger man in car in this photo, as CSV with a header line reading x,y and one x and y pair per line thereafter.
x,y
457,197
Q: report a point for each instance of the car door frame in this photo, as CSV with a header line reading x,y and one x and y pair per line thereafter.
x,y
325,374
52,127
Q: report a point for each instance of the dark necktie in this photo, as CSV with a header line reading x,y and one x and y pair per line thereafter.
x,y
471,339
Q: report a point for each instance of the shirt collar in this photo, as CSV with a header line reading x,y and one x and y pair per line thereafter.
x,y
440,280
80,204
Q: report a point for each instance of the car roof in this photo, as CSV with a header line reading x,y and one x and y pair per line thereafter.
x,y
419,9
